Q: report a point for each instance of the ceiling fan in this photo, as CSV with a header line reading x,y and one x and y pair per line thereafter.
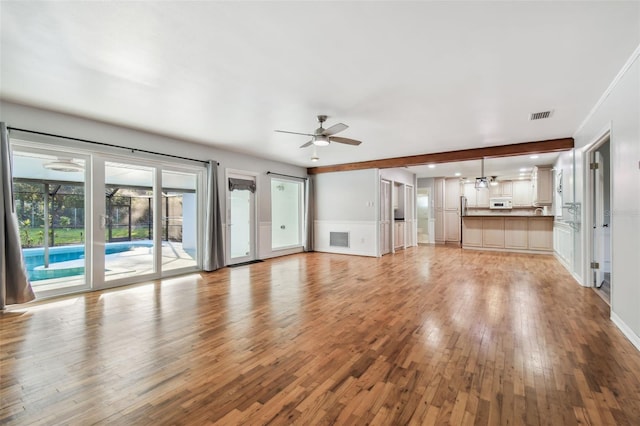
x,y
323,137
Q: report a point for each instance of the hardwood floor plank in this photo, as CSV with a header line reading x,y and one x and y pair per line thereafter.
x,y
430,335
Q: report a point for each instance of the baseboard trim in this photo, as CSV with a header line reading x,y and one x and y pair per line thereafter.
x,y
626,330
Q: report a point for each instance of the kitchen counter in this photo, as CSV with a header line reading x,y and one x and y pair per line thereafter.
x,y
508,232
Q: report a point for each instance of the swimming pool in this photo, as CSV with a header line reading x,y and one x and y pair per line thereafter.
x,y
67,261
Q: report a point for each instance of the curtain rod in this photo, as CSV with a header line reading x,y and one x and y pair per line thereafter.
x,y
107,144
289,176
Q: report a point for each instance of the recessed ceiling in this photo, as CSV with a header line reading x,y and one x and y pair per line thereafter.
x,y
407,77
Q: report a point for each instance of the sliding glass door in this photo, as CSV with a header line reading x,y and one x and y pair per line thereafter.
x,y
51,199
142,222
129,220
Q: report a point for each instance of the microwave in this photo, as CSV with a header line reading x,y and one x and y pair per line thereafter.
x,y
500,203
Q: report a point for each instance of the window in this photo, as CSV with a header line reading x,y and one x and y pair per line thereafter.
x,y
286,213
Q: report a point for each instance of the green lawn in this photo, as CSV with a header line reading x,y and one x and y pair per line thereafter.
x,y
34,237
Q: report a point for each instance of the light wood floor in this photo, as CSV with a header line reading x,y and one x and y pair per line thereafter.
x,y
427,336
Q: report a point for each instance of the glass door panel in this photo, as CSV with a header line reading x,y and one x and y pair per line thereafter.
x,y
286,213
129,224
241,222
179,220
49,191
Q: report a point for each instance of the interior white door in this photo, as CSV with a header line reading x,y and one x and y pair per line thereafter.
x,y
599,246
409,216
385,217
241,222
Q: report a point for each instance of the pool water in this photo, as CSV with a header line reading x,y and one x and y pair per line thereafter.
x,y
61,259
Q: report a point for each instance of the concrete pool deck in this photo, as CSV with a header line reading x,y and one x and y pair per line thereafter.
x,y
136,261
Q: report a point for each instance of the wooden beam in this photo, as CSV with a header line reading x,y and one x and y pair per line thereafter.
x,y
538,147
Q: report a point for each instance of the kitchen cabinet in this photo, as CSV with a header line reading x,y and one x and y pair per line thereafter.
x,y
452,194
504,233
476,197
472,231
515,233
502,189
540,233
398,235
451,226
493,232
470,194
438,196
522,193
482,198
439,226
542,186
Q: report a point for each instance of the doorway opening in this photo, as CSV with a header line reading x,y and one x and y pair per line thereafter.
x,y
600,218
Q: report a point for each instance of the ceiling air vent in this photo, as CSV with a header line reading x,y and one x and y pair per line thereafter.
x,y
539,115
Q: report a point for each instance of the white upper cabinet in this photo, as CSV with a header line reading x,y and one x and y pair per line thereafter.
x,y
542,186
502,189
522,193
452,194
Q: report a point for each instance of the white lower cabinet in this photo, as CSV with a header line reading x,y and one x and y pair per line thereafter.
x,y
452,226
439,226
515,233
398,235
540,234
493,232
508,233
472,232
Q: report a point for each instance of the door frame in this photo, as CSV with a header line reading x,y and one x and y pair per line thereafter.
x,y
255,243
589,206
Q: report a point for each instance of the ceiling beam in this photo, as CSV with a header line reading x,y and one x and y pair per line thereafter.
x,y
539,147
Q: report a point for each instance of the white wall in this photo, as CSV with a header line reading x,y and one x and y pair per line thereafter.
x,y
347,202
20,116
619,112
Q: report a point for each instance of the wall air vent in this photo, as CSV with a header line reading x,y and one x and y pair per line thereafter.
x,y
540,115
339,239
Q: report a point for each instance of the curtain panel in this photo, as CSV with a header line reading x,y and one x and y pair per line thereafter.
x,y
14,282
213,233
309,208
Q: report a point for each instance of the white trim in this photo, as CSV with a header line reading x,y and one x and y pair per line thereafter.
x,y
634,56
626,330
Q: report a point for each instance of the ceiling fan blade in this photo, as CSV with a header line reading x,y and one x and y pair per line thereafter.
x,y
307,144
344,140
335,129
294,133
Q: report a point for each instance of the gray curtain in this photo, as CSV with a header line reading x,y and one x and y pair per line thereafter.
x,y
14,283
213,242
309,208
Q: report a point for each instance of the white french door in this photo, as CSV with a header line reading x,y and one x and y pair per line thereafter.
x,y
241,217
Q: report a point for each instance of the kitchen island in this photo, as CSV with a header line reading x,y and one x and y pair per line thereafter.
x,y
508,232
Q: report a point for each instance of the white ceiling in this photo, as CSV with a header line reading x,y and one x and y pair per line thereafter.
x,y
407,77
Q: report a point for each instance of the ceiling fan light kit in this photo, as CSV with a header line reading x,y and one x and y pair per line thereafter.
x,y
321,140
323,137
